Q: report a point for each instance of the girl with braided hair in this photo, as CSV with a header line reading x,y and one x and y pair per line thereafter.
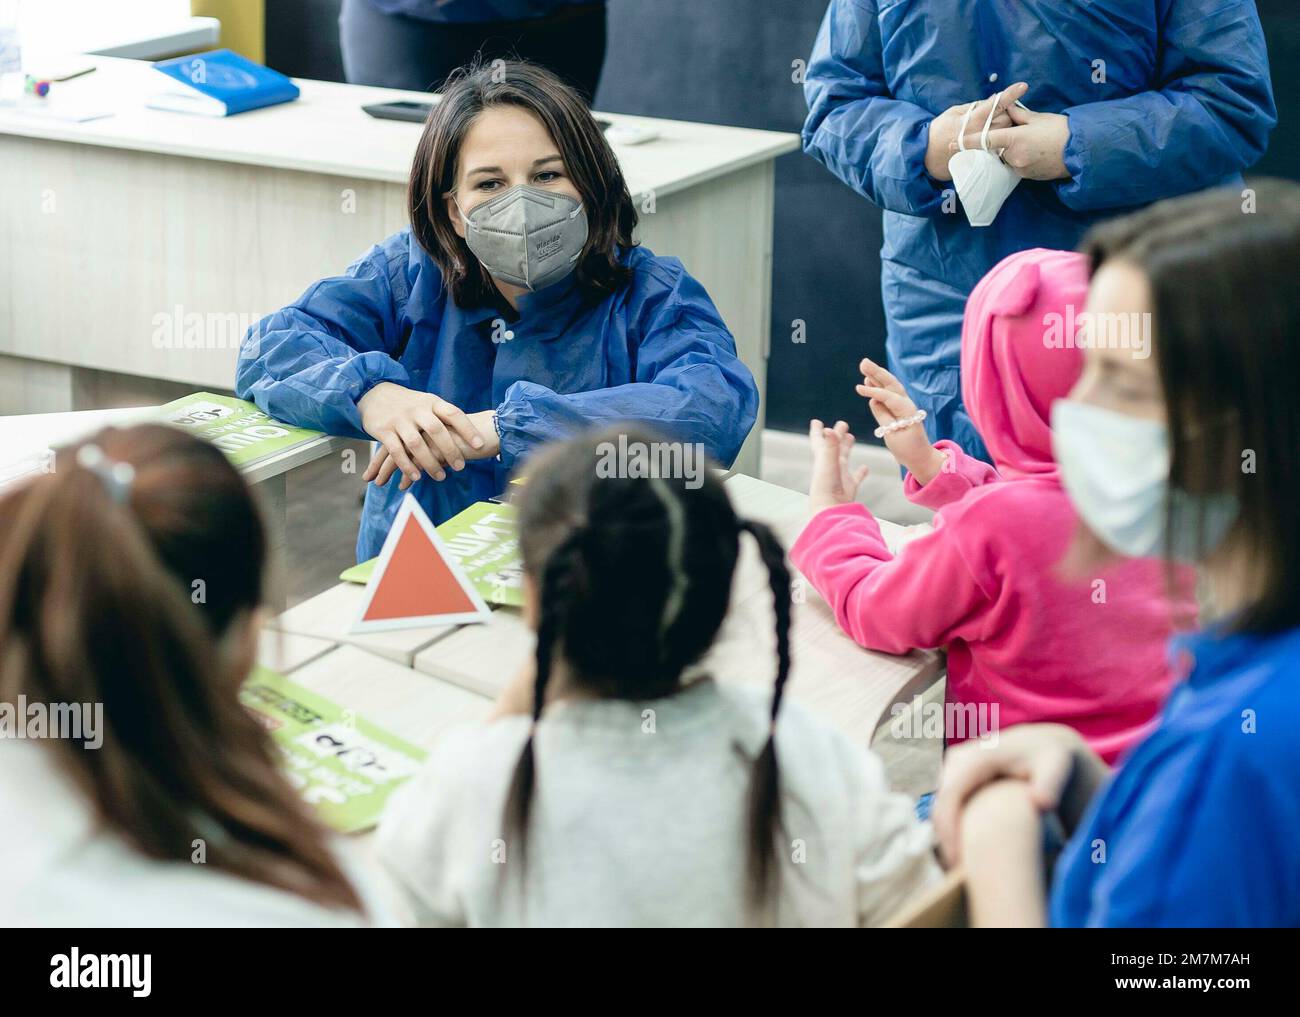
x,y
619,783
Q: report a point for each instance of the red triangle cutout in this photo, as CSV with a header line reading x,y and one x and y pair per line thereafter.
x,y
417,581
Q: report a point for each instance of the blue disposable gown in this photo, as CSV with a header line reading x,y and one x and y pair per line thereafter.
x,y
1164,97
655,352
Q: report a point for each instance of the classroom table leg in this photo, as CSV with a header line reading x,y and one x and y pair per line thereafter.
x,y
272,495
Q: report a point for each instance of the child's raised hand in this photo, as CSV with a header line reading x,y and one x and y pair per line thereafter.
x,y
889,403
834,482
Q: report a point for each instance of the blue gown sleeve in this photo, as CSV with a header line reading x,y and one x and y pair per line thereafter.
x,y
1216,857
874,143
308,364
1208,118
689,383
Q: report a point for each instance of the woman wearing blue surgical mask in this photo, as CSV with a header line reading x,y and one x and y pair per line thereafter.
x,y
515,309
1189,452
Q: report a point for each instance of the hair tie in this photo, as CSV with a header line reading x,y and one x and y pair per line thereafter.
x,y
116,476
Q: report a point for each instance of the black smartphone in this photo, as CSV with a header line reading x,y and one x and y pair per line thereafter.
x,y
418,112
414,112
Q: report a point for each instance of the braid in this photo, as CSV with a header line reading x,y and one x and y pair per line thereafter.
x,y
765,790
675,528
558,580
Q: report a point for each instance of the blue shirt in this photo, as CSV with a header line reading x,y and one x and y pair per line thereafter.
x,y
461,12
1200,825
655,352
1179,101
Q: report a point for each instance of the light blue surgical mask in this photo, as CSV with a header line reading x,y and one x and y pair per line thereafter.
x,y
1115,468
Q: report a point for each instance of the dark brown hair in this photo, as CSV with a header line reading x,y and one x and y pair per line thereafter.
x,y
588,160
1226,316
98,604
610,554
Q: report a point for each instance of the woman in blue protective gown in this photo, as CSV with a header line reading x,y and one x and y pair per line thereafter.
x,y
1124,102
515,309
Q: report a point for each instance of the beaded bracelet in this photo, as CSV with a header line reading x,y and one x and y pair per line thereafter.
x,y
898,425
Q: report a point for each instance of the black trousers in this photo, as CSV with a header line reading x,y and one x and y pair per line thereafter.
x,y
394,51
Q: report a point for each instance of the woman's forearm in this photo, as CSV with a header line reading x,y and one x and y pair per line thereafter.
x,y
1002,853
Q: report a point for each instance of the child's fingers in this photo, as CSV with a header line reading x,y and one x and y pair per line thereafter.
x,y
870,371
865,391
882,377
880,412
822,438
897,404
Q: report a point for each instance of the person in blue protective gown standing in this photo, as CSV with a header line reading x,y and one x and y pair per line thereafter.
x,y
1095,108
514,310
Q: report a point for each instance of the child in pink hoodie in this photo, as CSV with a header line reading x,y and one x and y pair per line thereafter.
x,y
1086,651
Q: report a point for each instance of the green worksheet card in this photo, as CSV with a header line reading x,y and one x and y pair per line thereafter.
x,y
484,541
238,428
341,764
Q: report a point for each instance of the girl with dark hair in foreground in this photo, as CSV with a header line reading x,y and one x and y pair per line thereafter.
x,y
621,786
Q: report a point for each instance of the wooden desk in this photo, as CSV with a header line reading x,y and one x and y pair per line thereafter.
x,y
116,227
329,615
284,652
27,438
411,705
416,683
851,687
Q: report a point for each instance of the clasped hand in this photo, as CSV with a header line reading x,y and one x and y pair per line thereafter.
x,y
1032,144
422,434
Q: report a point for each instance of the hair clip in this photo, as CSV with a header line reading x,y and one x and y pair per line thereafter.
x,y
116,477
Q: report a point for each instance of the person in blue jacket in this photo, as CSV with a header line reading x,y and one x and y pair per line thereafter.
x,y
1188,453
416,44
1125,102
515,309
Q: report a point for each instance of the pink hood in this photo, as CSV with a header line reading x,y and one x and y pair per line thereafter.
x,y
1015,361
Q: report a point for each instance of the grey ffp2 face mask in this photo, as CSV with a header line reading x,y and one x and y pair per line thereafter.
x,y
526,236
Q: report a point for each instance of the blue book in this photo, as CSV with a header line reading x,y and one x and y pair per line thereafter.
x,y
220,84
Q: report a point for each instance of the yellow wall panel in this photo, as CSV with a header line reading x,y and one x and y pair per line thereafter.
x,y
243,24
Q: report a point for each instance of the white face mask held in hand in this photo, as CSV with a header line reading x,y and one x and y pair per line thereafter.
x,y
983,180
1115,468
526,236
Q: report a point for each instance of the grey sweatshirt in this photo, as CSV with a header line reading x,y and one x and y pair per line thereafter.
x,y
639,818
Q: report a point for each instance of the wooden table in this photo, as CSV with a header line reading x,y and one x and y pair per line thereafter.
x,y
27,438
119,231
397,679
